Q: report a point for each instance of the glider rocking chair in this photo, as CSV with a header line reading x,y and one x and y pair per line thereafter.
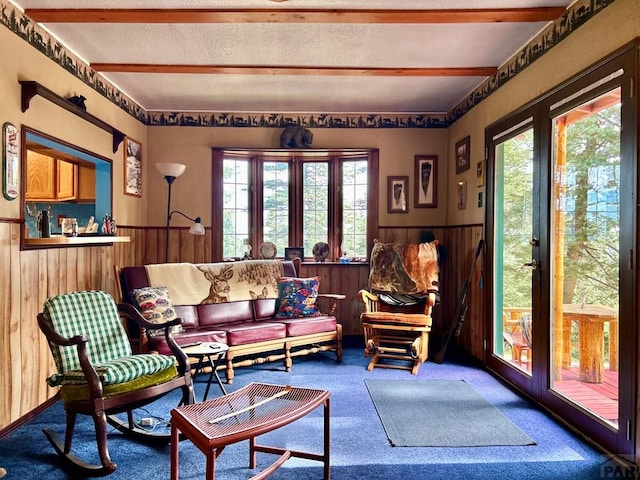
x,y
99,376
403,287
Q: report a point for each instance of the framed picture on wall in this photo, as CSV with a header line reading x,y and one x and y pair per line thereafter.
x,y
132,167
463,160
397,194
426,181
462,195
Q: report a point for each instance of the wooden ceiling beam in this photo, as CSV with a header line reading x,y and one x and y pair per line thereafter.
x,y
257,15
293,70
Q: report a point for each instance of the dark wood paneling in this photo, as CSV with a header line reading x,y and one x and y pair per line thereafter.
x,y
346,279
460,244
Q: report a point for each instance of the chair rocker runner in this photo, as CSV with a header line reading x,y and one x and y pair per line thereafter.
x,y
99,376
403,283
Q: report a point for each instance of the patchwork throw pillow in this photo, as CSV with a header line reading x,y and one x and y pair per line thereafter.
x,y
297,297
156,306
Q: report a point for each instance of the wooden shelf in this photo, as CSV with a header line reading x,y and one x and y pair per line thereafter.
x,y
30,89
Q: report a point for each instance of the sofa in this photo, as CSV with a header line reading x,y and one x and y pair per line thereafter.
x,y
255,316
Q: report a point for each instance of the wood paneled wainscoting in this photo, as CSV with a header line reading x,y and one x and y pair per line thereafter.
x,y
27,278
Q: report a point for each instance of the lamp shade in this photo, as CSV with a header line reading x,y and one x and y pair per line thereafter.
x,y
197,228
171,169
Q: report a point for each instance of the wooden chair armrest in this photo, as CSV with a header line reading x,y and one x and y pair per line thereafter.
x,y
334,297
129,311
337,296
370,301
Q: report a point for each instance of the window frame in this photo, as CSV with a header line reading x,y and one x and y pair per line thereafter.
x,y
295,194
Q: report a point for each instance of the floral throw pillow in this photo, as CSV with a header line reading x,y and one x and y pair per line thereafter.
x,y
156,306
297,297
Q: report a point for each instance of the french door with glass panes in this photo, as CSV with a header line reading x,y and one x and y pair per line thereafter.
x,y
561,234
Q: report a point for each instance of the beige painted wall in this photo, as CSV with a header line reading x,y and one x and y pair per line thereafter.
x,y
191,193
20,61
615,26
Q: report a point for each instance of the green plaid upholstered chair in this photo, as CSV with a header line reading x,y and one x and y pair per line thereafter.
x,y
99,376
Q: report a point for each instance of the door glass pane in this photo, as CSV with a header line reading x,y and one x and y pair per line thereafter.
x,y
513,235
586,252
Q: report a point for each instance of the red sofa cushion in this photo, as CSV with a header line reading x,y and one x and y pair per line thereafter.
x,y
215,314
308,325
252,332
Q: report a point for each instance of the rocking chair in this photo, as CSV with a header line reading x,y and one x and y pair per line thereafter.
x,y
99,376
403,286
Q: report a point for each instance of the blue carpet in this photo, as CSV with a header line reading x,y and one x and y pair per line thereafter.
x,y
359,446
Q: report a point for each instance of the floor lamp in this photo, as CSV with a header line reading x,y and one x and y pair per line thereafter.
x,y
171,171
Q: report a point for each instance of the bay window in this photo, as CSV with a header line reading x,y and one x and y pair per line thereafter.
x,y
294,199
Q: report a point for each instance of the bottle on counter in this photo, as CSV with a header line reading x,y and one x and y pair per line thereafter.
x,y
44,225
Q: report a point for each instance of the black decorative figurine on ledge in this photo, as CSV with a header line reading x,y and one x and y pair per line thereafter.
x,y
78,101
296,137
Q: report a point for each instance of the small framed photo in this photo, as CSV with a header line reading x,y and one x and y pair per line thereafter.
x,y
291,253
480,173
426,181
480,198
132,167
463,162
462,195
11,161
397,194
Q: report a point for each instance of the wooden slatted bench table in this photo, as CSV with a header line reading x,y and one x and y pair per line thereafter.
x,y
244,414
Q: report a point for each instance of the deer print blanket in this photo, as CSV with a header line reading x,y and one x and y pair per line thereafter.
x,y
194,284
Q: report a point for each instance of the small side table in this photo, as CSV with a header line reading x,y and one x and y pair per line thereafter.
x,y
208,354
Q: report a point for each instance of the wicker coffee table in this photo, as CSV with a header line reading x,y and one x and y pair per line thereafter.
x,y
244,414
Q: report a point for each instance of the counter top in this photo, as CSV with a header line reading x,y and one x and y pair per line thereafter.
x,y
71,241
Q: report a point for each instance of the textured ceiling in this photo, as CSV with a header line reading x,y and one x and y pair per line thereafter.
x,y
288,64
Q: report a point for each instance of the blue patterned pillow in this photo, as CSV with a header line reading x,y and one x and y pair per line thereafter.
x,y
156,307
297,297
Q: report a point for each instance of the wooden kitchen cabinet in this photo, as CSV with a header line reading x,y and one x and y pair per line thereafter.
x,y
41,178
86,184
67,180
50,179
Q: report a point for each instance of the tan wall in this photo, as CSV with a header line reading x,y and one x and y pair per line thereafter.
x,y
615,26
191,193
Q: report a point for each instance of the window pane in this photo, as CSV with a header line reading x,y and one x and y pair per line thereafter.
x,y
315,208
235,210
275,198
354,208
